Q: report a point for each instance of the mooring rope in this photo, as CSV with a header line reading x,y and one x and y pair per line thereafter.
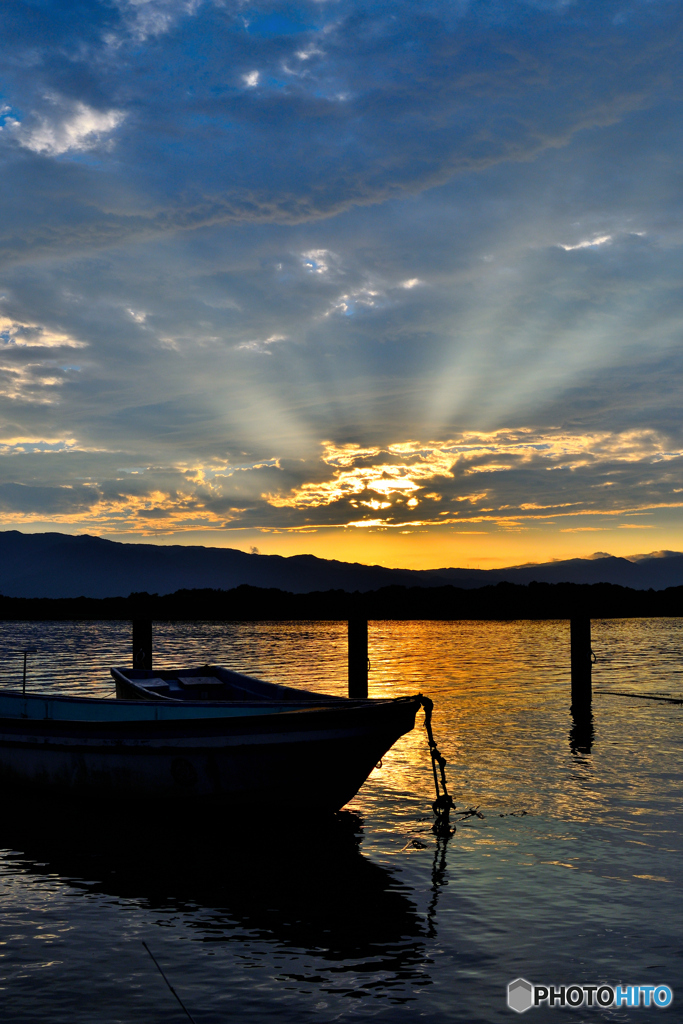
x,y
443,804
158,967
642,696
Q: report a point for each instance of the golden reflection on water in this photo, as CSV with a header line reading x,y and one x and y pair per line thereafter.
x,y
501,694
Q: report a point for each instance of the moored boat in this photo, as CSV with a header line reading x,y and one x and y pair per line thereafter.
x,y
272,749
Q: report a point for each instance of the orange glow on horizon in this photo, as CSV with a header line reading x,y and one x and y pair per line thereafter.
x,y
439,548
414,549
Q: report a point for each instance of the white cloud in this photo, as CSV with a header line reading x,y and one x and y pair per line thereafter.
x,y
260,345
251,79
600,240
348,304
74,127
147,18
319,261
309,52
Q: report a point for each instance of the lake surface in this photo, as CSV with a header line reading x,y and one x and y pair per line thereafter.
x,y
572,875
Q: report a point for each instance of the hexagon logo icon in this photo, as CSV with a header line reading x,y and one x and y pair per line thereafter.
x,y
520,995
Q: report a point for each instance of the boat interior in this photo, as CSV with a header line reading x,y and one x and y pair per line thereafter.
x,y
208,683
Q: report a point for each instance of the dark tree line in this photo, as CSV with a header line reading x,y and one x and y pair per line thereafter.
x,y
503,601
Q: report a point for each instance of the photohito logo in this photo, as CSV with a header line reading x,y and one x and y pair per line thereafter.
x,y
522,995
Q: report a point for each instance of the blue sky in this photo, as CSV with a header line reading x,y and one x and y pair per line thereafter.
x,y
396,282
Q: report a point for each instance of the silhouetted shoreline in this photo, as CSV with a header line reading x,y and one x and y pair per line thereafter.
x,y
247,603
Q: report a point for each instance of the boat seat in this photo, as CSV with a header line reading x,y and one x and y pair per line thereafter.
x,y
200,682
154,684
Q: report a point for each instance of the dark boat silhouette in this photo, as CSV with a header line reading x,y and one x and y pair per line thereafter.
x,y
268,745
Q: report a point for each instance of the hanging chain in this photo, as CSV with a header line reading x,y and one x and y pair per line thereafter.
x,y
443,804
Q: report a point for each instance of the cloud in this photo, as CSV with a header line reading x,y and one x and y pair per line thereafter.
x,y
34,336
261,346
600,240
388,107
41,501
320,261
472,479
32,383
22,445
393,480
142,19
72,127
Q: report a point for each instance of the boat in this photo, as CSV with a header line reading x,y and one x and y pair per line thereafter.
x,y
267,748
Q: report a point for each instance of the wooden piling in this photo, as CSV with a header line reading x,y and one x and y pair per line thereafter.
x,y
142,643
358,658
581,660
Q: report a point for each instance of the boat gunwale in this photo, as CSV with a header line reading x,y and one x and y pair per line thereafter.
x,y
308,719
174,744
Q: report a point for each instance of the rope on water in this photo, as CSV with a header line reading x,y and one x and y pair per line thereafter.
x,y
642,696
443,804
189,1015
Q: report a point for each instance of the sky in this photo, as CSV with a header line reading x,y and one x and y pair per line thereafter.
x,y
396,282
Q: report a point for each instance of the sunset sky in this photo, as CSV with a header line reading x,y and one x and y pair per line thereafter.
x,y
389,282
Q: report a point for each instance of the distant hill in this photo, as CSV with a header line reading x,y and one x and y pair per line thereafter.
x,y
60,565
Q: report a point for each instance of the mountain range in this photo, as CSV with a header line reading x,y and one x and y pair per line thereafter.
x,y
61,565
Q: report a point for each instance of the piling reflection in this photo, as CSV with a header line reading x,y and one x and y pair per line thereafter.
x,y
581,734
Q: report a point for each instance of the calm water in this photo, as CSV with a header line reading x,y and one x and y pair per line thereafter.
x,y
572,875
